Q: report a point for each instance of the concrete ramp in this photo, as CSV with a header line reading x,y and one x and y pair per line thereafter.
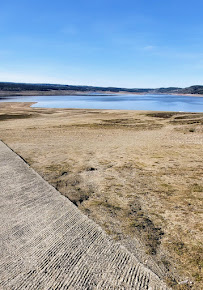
x,y
47,243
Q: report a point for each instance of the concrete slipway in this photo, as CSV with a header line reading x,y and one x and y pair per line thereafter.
x,y
47,243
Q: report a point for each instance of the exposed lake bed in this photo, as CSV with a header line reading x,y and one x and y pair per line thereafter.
x,y
136,173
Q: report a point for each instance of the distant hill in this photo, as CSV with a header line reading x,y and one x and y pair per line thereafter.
x,y
193,90
5,86
18,87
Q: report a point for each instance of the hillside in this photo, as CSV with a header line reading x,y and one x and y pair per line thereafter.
x,y
16,88
193,90
4,86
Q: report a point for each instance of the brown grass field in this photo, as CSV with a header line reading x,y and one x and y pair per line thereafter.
x,y
137,174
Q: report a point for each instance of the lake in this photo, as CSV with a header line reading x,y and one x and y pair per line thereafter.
x,y
175,103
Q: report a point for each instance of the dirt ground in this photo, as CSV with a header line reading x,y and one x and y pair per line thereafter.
x,y
137,174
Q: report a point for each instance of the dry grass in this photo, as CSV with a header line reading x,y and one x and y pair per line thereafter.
x,y
137,174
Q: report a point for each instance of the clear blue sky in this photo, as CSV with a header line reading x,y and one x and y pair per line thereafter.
x,y
138,43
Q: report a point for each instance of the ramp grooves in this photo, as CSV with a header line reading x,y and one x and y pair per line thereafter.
x,y
47,243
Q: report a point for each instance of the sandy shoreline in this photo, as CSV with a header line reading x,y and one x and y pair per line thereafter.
x,y
136,173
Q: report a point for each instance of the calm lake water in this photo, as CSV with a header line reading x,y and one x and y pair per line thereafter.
x,y
117,102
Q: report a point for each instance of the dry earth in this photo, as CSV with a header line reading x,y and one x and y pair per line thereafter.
x,y
137,174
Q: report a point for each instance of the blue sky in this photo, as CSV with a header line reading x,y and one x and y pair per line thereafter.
x,y
145,43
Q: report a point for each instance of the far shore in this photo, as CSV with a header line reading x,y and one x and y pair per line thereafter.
x,y
6,94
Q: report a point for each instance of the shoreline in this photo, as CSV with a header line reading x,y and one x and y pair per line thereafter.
x,y
29,105
5,94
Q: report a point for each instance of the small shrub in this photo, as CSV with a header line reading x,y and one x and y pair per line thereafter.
x,y
192,130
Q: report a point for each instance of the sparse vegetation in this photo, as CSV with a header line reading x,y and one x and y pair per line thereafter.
x,y
163,115
4,117
134,181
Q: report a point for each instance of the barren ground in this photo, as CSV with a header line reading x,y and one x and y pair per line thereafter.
x,y
137,174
